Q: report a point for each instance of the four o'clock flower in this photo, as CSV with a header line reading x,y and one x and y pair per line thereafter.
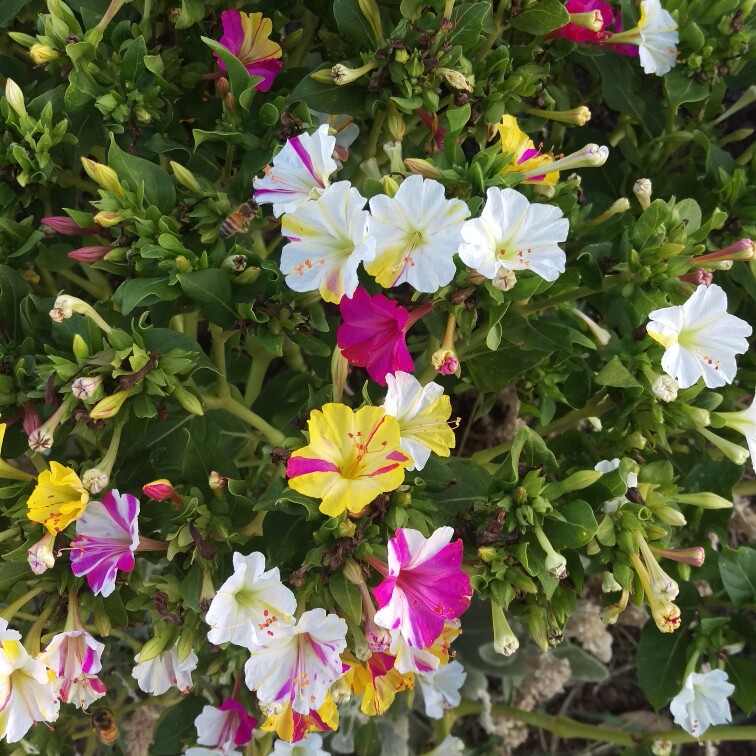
x,y
224,727
588,19
700,338
441,689
378,681
513,234
703,702
745,423
246,36
292,726
106,537
423,586
301,666
40,556
312,745
59,498
417,232
422,413
373,334
525,155
157,675
327,242
343,128
27,695
252,605
351,458
300,171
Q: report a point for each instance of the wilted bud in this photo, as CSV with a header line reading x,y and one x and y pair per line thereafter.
x,y
185,177
183,264
341,75
235,263
66,226
107,219
86,387
31,418
346,529
339,373
142,114
103,176
505,641
341,692
15,97
591,156
445,361
89,254
662,748
109,406
66,305
455,79
622,205
704,500
642,190
401,56
41,440
556,564
40,556
698,277
95,480
161,490
422,168
637,440
42,54
216,481
609,583
665,388
394,152
609,614
187,400
504,280
372,14
589,20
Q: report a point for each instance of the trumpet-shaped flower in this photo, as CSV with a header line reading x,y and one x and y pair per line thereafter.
x,y
106,537
351,458
252,605
224,726
703,702
41,556
27,695
74,657
424,660
327,242
299,668
525,155
246,35
513,234
417,232
422,413
441,689
700,338
292,726
300,171
423,586
164,671
8,472
373,334
745,423
580,28
59,498
378,681
345,131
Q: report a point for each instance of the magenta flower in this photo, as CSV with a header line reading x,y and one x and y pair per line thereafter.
x,y
584,8
246,36
225,726
423,587
373,334
106,538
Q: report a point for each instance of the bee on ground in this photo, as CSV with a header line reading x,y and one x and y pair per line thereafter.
x,y
239,220
104,725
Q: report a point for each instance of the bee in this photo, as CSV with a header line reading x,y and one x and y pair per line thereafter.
x,y
104,725
239,220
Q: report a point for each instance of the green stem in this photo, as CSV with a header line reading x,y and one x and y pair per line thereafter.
x,y
10,611
94,289
745,488
219,357
260,362
113,8
567,296
375,132
304,47
274,437
498,18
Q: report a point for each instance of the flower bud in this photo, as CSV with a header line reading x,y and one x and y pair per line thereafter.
x,y
698,277
505,641
591,156
622,205
694,556
704,500
216,481
589,20
234,263
161,490
109,406
142,114
341,75
40,556
537,627
390,186
15,97
41,440
487,554
103,176
669,516
353,572
31,419
183,264
339,373
579,480
665,388
575,117
733,452
395,122
89,254
42,54
455,79
66,226
642,189
323,76
23,39
372,14
187,400
609,583
340,691
107,219
185,177
422,168
445,361
85,387
742,250
95,480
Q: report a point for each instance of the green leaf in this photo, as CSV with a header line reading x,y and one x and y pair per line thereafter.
x,y
742,674
737,568
346,595
133,60
9,10
141,292
650,222
458,117
541,17
468,24
457,483
583,666
211,290
328,98
368,741
192,11
353,25
614,373
493,371
13,289
536,452
575,530
175,724
681,88
660,660
238,76
158,185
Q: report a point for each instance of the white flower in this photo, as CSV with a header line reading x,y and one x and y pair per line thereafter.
x,y
700,338
702,702
327,242
298,172
422,413
26,692
607,466
513,234
164,671
299,667
312,745
745,423
665,388
658,32
441,689
417,233
343,128
252,606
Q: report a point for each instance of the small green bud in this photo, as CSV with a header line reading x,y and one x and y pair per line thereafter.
x,y
42,54
80,348
704,500
187,400
669,516
390,187
185,177
487,554
15,97
109,406
183,264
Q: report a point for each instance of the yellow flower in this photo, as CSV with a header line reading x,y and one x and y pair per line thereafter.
x,y
59,498
525,155
289,724
351,458
378,681
8,472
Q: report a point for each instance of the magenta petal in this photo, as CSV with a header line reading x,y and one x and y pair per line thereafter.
x,y
302,466
233,32
268,69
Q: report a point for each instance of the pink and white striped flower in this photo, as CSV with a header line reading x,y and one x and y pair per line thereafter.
x,y
300,171
224,727
301,667
106,537
423,586
74,657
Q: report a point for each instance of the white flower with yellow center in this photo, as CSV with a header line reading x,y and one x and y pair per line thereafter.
x,y
417,233
700,338
513,234
658,33
328,240
703,702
